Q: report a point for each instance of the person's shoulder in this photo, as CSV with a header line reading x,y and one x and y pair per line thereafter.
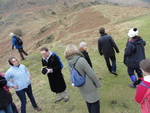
x,y
23,66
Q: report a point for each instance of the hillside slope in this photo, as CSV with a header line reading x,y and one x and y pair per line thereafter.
x,y
73,24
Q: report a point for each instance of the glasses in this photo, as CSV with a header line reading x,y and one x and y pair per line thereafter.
x,y
14,60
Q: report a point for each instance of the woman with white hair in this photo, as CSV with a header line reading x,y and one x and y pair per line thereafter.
x,y
83,50
15,42
89,90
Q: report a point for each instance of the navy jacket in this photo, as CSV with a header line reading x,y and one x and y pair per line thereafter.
x,y
106,45
14,43
134,53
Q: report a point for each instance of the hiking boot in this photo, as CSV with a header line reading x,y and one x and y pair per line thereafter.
x,y
132,86
66,99
114,73
38,108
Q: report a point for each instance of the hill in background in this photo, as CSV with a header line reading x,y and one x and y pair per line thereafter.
x,y
55,26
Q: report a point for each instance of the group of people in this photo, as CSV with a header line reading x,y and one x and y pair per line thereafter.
x,y
134,59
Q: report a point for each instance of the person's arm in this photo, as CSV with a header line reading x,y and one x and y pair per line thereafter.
x,y
27,72
13,42
140,92
100,47
8,77
129,50
56,63
89,71
114,45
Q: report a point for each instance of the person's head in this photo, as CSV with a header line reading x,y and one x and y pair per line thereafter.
x,y
11,34
102,30
133,32
145,66
13,61
44,52
71,49
83,46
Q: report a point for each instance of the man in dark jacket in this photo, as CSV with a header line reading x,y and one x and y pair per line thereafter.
x,y
19,47
52,67
134,53
106,46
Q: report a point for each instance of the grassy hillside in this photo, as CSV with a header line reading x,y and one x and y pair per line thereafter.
x,y
74,24
116,96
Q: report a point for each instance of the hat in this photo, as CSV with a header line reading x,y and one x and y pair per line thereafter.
x,y
133,32
11,34
44,71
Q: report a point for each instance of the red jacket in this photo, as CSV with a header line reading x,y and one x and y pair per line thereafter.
x,y
141,95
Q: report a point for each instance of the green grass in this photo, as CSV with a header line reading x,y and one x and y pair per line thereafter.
x,y
116,96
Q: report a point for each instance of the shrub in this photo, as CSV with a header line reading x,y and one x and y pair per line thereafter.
x,y
46,40
53,13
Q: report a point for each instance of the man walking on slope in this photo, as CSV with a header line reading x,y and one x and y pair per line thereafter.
x,y
106,46
18,46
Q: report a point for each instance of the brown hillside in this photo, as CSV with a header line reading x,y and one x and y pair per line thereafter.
x,y
67,26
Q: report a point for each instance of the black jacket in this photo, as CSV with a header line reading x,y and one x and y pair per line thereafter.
x,y
106,45
86,56
134,53
5,97
56,80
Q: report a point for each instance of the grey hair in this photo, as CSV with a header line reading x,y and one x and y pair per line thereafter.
x,y
82,44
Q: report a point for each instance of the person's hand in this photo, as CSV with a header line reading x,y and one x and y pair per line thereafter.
x,y
15,87
48,70
30,77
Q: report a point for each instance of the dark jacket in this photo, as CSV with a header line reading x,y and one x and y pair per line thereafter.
x,y
86,56
5,97
106,45
56,80
14,43
134,53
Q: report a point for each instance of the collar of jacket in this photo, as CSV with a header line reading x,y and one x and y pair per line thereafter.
x,y
103,34
16,66
50,53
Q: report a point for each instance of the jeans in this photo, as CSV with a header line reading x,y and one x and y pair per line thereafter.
x,y
93,107
113,60
22,51
8,109
22,96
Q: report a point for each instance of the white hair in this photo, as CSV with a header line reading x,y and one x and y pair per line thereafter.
x,y
11,34
82,44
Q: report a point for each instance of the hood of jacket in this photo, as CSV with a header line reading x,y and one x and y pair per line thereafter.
x,y
71,58
137,41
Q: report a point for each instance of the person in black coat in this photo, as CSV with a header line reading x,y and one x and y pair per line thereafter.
x,y
134,53
83,50
106,46
5,98
52,67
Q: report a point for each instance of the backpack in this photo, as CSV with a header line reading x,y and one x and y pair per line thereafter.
x,y
61,64
146,100
19,41
75,77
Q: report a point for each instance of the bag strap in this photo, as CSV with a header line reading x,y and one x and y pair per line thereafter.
x,y
144,85
75,62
